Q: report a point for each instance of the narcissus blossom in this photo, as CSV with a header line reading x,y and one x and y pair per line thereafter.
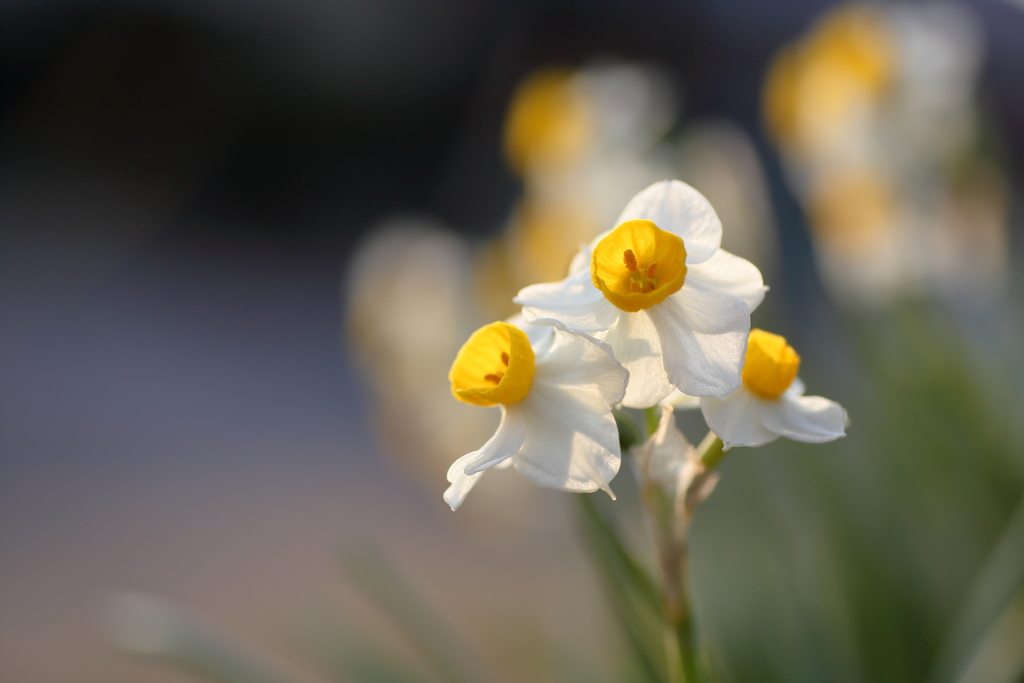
x,y
771,402
673,306
556,391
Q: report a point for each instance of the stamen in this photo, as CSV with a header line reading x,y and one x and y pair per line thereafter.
x,y
504,358
494,379
629,258
652,265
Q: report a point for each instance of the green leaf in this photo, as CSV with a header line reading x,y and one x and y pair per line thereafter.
x,y
374,574
634,596
147,626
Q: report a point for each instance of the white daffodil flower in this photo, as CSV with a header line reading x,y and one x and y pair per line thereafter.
x,y
556,391
674,307
771,402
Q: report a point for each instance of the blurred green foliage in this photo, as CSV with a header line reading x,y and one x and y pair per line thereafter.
x,y
896,554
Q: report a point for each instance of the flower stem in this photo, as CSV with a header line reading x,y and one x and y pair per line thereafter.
x,y
669,523
710,451
670,519
651,417
681,623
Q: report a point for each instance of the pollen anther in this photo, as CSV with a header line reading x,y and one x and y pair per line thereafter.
x,y
629,258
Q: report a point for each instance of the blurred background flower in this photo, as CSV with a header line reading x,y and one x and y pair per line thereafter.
x,y
876,113
183,183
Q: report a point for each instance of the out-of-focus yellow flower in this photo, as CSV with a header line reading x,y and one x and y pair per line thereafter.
x,y
549,121
852,211
816,87
538,245
549,235
875,115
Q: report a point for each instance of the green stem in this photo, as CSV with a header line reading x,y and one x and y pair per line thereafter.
x,y
669,522
675,565
676,571
710,451
681,622
671,514
652,418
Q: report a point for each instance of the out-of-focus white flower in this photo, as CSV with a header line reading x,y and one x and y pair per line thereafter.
x,y
875,113
556,391
673,305
771,403
413,274
719,159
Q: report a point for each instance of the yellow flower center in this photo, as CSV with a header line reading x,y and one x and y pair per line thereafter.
x,y
638,265
494,366
771,364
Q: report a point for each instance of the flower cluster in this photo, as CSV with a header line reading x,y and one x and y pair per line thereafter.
x,y
581,142
877,120
651,310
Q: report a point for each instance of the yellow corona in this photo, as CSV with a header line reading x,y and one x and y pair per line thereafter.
x,y
495,366
771,364
638,265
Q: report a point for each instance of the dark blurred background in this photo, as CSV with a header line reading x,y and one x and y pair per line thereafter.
x,y
183,187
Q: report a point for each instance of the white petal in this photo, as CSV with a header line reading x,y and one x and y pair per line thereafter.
x,y
805,418
575,301
797,388
506,441
539,335
736,419
569,445
680,401
460,483
704,340
675,206
636,345
465,471
725,272
581,261
582,366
